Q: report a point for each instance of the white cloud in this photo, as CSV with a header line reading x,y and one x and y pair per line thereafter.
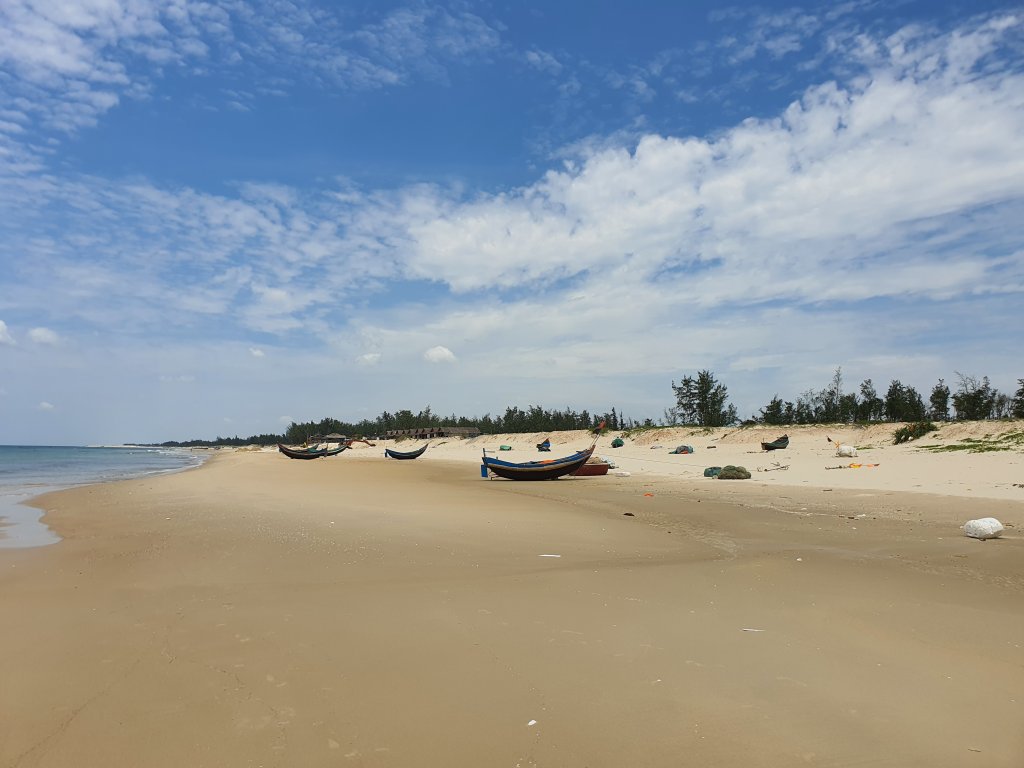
x,y
887,174
71,63
746,251
256,352
43,336
819,198
45,406
439,354
543,61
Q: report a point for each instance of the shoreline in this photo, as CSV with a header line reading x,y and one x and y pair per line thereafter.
x,y
21,520
989,483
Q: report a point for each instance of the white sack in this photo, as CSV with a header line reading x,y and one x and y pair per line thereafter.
x,y
846,451
983,528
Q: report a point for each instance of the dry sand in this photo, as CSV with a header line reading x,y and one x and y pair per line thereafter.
x,y
358,611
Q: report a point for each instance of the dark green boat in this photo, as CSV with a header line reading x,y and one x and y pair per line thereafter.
x,y
776,445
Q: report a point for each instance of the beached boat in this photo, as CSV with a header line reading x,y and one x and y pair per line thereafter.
x,y
776,445
309,453
405,455
536,470
592,469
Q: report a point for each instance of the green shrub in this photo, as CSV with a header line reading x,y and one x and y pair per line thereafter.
x,y
912,432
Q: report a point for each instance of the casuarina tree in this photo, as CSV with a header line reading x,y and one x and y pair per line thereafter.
x,y
703,401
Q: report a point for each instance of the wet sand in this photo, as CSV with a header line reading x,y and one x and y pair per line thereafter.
x,y
364,612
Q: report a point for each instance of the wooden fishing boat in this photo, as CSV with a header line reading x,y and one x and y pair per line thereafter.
x,y
550,469
405,455
592,469
776,445
310,453
303,453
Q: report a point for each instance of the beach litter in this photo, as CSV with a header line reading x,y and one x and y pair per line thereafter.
x,y
712,471
773,468
548,555
983,528
843,451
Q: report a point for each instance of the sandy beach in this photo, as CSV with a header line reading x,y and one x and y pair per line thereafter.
x,y
259,611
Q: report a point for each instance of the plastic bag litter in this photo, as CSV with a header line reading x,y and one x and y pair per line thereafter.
x,y
983,528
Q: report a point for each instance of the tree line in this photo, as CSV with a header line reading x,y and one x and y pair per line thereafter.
x,y
703,401
700,400
534,418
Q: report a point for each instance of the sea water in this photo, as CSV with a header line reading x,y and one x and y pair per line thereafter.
x,y
27,471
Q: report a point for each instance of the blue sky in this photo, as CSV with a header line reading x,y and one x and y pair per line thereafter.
x,y
219,217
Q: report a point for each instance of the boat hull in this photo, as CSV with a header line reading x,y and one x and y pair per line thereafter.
x,y
293,453
404,455
594,469
776,445
537,470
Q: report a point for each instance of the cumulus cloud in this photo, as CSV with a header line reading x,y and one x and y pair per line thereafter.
x,y
43,336
256,352
45,406
5,335
368,359
439,354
